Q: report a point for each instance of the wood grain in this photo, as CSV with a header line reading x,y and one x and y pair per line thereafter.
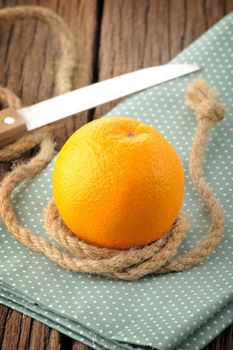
x,y
112,37
137,34
28,56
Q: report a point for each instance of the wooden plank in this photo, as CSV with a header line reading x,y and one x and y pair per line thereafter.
x,y
25,331
78,346
41,337
29,68
3,317
28,60
12,331
137,34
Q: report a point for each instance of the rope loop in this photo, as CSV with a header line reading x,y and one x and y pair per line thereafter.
x,y
203,100
158,257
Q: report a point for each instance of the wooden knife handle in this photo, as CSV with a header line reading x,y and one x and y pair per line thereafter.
x,y
12,126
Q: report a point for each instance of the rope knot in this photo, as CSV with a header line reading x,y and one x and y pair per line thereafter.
x,y
203,100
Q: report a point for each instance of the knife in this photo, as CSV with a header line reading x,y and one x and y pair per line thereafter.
x,y
14,124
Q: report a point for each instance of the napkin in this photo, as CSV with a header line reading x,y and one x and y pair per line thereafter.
x,y
175,311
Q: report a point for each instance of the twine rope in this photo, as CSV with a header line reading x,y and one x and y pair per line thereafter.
x,y
67,250
63,38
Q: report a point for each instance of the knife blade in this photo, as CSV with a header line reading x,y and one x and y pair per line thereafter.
x,y
13,123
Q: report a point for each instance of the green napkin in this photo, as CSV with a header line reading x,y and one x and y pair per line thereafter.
x,y
181,310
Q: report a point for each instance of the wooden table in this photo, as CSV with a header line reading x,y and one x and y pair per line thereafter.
x,y
112,37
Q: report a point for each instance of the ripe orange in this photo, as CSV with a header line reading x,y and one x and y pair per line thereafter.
x,y
118,183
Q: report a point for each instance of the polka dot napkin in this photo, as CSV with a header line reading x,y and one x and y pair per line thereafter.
x,y
175,311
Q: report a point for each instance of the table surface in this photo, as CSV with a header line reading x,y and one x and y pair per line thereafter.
x,y
112,37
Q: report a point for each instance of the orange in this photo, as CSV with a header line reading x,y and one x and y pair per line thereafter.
x,y
118,183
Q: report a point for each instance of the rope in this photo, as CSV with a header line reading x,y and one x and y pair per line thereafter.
x,y
62,37
67,250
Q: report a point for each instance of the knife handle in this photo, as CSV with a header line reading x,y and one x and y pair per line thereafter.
x,y
12,126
